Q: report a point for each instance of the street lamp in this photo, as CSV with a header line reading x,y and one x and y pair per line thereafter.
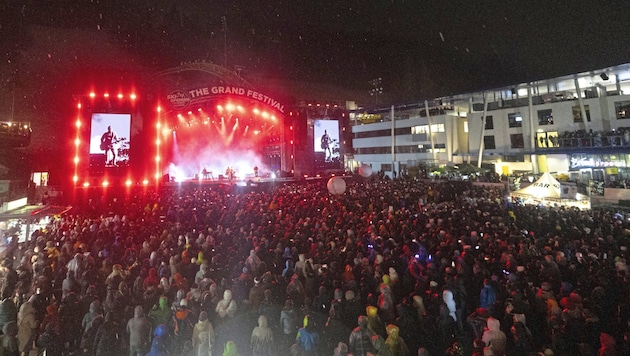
x,y
378,89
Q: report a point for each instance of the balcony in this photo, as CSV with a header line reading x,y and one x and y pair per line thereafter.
x,y
576,142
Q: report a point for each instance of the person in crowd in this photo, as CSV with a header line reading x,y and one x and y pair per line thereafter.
x,y
107,339
230,349
360,339
8,340
307,340
28,326
49,342
203,335
262,340
139,331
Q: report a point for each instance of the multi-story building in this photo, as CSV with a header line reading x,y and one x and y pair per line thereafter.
x,y
575,125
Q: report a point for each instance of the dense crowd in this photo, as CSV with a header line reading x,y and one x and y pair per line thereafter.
x,y
396,267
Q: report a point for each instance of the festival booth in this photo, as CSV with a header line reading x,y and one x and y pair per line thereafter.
x,y
548,191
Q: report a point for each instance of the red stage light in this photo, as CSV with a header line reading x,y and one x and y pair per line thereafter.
x,y
86,184
159,108
128,182
190,113
219,107
77,141
75,178
92,94
78,123
105,183
76,159
145,182
133,97
199,110
79,106
106,95
229,107
120,96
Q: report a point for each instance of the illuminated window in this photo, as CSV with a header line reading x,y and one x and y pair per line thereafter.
x,y
545,117
577,113
515,119
424,129
622,109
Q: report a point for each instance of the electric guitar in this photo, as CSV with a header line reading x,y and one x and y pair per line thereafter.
x,y
106,144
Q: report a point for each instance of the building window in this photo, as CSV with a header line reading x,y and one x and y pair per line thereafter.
x,y
622,109
489,123
516,141
545,117
424,129
488,142
515,120
577,113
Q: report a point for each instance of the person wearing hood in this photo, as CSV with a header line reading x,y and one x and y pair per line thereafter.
x,y
288,270
161,313
159,345
494,338
27,326
49,341
360,341
203,273
307,339
106,341
226,308
300,264
296,291
203,335
8,310
253,262
182,324
70,318
262,339
379,345
91,322
139,330
374,321
449,301
8,340
395,344
230,349
152,279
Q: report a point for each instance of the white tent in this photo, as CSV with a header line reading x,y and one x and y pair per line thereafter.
x,y
548,191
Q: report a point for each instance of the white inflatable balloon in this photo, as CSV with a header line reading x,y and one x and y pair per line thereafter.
x,y
365,170
336,185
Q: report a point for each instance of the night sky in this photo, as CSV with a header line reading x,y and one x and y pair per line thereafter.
x,y
421,49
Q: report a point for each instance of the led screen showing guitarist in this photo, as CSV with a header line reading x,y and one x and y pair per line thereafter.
x,y
108,140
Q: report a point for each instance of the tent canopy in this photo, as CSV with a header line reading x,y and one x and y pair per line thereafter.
x,y
546,187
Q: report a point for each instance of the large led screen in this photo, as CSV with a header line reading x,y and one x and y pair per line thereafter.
x,y
326,137
109,139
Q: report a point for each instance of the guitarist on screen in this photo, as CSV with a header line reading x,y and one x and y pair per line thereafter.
x,y
108,140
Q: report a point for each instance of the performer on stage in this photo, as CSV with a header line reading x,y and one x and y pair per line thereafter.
x,y
326,141
108,140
